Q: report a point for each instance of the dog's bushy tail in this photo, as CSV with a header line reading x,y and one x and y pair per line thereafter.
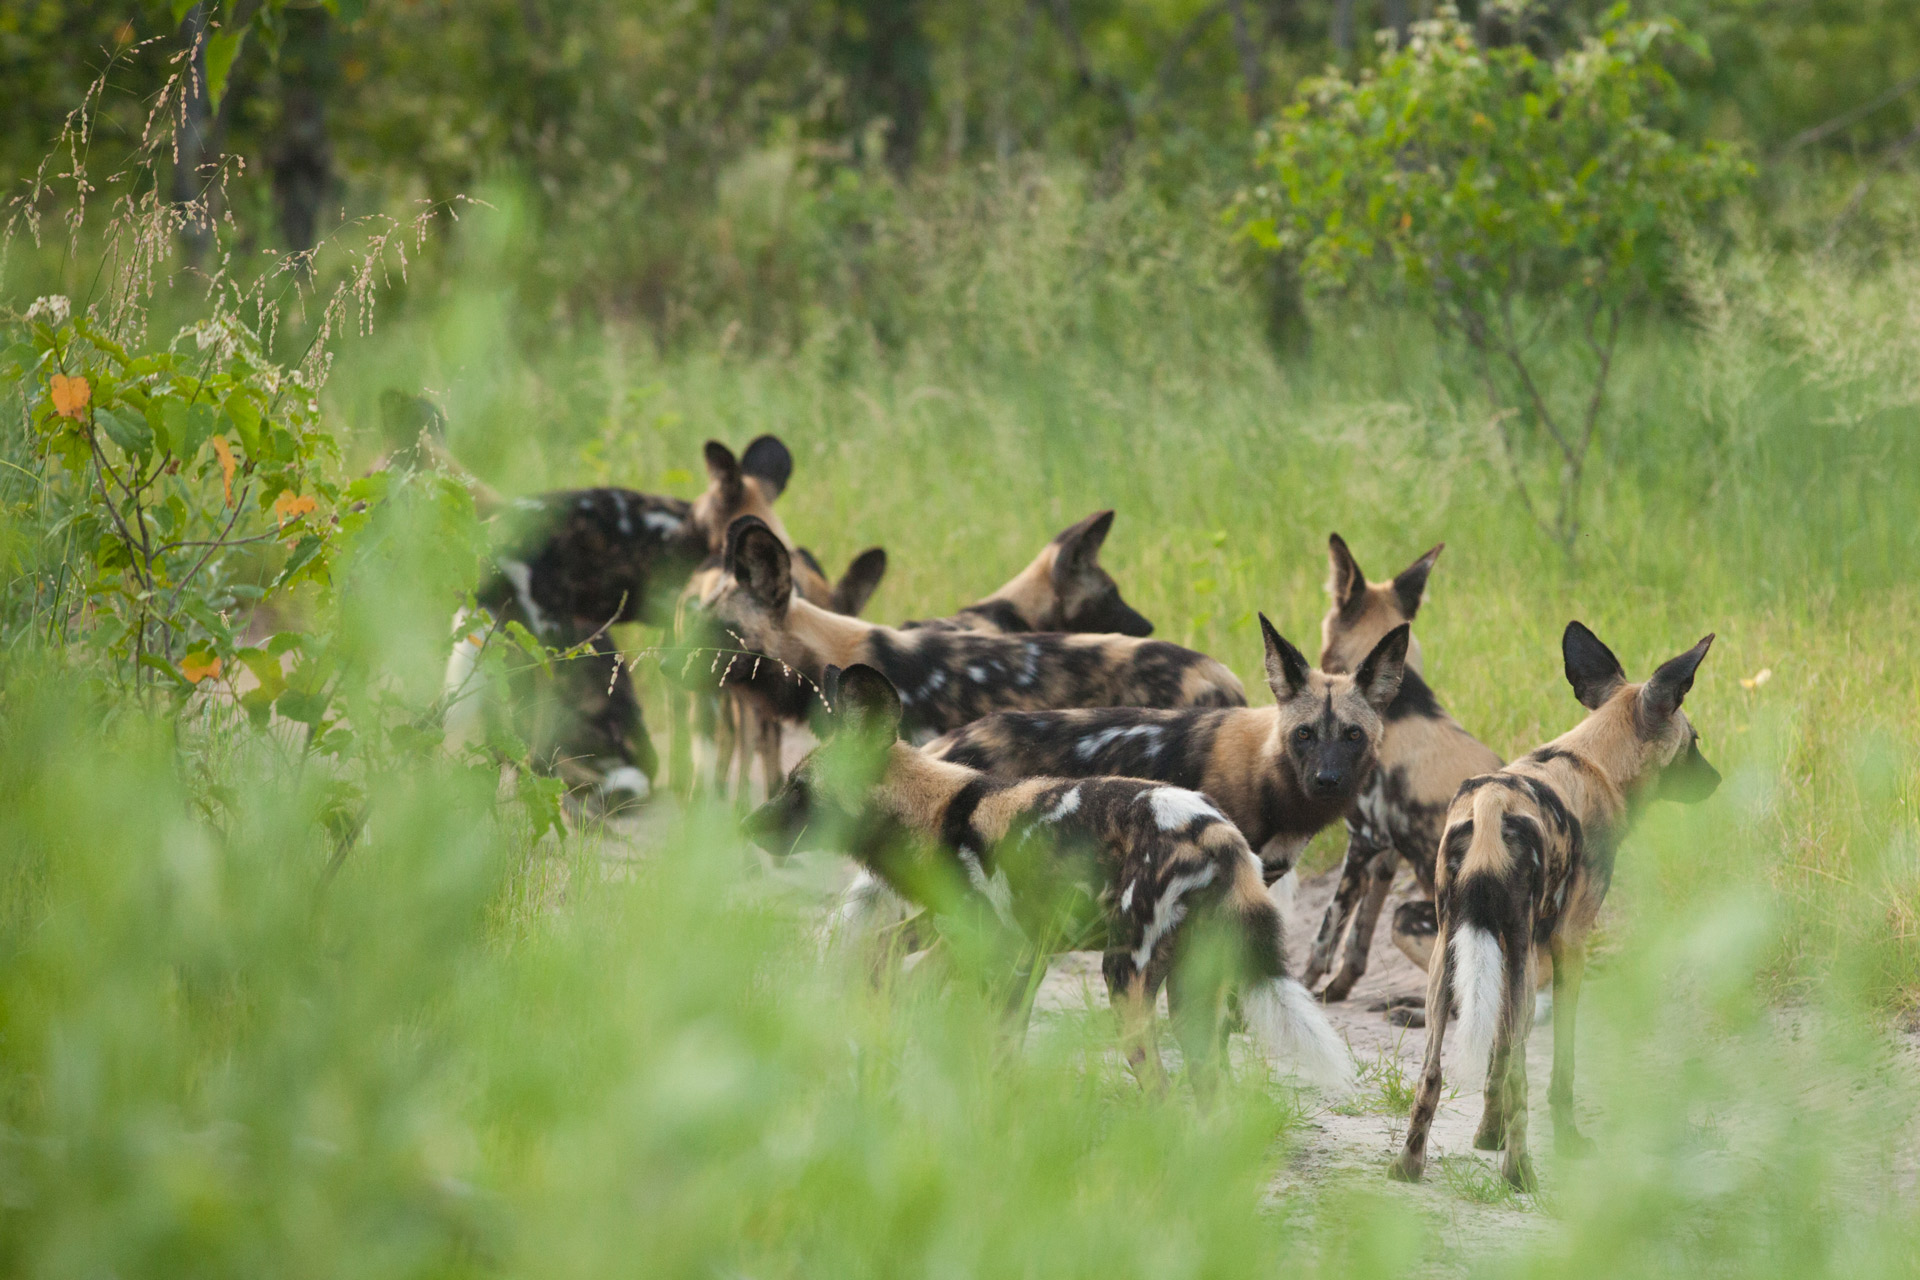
x,y
1479,989
1285,1019
1489,928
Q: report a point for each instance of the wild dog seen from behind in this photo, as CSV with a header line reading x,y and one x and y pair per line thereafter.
x,y
1136,869
947,678
1280,773
1424,757
1525,862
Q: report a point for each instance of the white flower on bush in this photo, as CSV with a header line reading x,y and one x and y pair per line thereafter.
x,y
54,308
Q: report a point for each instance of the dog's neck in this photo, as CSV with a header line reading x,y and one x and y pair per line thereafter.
x,y
917,789
816,638
1030,591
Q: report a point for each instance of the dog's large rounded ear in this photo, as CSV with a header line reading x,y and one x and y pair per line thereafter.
x,y
1411,583
1664,691
770,462
1380,675
865,702
760,562
859,582
1592,669
1287,670
1079,546
723,470
1345,583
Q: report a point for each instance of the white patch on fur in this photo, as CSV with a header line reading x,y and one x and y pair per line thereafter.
x,y
1479,982
977,674
1542,1008
620,505
1126,899
464,720
1175,808
1092,745
522,579
996,891
1067,805
1169,910
1029,666
662,522
1288,1025
626,779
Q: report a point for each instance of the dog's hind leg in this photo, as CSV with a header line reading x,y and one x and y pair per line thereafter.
x,y
1411,1163
1569,966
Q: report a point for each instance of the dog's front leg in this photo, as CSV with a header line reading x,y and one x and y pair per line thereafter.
x,y
1362,849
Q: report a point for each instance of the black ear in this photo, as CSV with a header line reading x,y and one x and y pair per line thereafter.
x,y
768,461
1287,669
760,561
866,702
1412,581
723,470
859,582
1380,675
1344,579
1592,669
1662,694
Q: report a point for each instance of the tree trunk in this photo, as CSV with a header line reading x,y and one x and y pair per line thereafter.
x,y
191,140
888,61
1341,29
1399,18
1252,66
301,156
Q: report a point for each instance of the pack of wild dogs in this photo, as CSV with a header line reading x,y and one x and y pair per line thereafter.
x,y
1038,767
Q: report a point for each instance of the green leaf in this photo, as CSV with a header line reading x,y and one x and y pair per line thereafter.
x,y
126,429
246,420
303,707
303,553
222,48
180,8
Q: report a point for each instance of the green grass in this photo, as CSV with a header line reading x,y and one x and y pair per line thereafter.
x,y
474,1053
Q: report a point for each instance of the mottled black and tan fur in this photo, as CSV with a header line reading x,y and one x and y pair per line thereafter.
x,y
1525,862
1281,773
742,703
1424,758
571,565
1132,868
947,678
1063,588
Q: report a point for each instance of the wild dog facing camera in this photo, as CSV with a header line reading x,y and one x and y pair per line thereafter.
x,y
1331,743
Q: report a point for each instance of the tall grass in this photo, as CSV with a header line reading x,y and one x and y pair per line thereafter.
x,y
465,1050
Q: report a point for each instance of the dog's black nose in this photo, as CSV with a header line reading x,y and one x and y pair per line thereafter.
x,y
1327,784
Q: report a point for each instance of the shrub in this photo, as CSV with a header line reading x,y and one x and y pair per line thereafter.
x,y
1526,202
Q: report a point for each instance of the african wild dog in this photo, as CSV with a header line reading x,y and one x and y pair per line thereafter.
x,y
1130,867
1280,773
570,566
1061,589
1424,758
1525,863
947,678
741,703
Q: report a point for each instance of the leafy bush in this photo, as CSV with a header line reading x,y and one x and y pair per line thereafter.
x,y
1527,202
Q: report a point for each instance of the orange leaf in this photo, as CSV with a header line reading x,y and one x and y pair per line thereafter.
x,y
70,395
224,451
198,666
289,507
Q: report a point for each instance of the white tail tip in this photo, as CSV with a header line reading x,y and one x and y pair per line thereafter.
x,y
1289,1025
1479,981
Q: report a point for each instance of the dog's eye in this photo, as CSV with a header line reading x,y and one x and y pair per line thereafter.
x,y
1304,733
1354,734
